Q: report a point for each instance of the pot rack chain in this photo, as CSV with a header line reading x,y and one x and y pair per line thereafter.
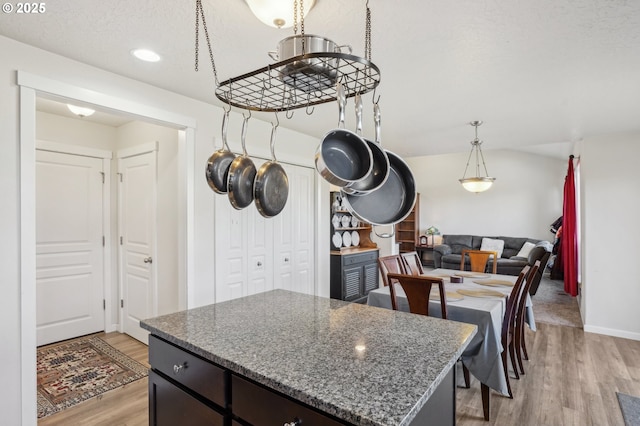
x,y
200,16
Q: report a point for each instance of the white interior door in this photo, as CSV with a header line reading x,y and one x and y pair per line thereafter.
x,y
69,246
294,233
230,249
137,221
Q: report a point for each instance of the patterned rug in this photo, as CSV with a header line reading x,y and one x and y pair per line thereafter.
x,y
76,370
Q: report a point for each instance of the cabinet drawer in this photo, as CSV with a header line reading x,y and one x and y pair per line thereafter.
x,y
263,407
169,406
193,372
359,258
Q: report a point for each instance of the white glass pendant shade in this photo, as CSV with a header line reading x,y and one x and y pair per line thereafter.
x,y
80,111
277,13
477,183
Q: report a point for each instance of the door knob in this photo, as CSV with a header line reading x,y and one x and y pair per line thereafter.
x,y
259,264
148,260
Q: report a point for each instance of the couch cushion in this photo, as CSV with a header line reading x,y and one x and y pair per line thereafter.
x,y
512,245
492,245
526,249
458,242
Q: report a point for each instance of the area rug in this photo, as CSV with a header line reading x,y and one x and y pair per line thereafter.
x,y
77,370
630,406
551,305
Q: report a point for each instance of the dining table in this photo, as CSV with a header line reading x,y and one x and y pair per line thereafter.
x,y
483,355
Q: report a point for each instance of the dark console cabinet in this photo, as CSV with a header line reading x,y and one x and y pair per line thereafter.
x,y
354,275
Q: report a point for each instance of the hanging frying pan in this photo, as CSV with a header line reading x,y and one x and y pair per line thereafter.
x,y
380,168
271,185
219,162
242,173
393,201
343,157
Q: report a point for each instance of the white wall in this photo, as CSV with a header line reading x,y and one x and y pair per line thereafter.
x,y
291,147
136,133
524,200
610,234
74,131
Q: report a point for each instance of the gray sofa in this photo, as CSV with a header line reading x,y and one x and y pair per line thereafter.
x,y
447,255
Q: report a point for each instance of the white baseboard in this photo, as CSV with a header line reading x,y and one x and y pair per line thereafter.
x,y
612,332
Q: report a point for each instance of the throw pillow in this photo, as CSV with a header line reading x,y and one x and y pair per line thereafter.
x,y
526,249
490,244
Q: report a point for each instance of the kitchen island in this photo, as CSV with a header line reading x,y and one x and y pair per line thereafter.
x,y
283,357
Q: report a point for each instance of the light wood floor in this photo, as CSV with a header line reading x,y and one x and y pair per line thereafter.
x,y
571,379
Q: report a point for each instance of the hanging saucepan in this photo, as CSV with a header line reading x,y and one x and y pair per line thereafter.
x,y
312,73
393,201
343,157
379,171
219,162
242,173
271,185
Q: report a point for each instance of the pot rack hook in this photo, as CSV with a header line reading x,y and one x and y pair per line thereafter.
x,y
289,117
246,117
373,98
277,120
227,105
309,102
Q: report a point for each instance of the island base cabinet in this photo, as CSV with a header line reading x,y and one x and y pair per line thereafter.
x,y
170,406
258,406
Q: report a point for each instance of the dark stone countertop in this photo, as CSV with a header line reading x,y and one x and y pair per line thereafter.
x,y
365,365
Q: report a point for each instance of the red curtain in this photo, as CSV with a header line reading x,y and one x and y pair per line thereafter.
x,y
569,234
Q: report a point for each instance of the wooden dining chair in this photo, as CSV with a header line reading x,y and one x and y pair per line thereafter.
x,y
479,259
519,344
387,265
508,325
418,289
412,263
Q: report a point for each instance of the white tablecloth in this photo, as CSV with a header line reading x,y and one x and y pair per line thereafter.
x,y
482,356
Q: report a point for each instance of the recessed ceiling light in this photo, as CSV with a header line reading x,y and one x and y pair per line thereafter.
x,y
146,55
80,111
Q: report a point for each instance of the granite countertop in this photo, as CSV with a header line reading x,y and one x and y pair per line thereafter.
x,y
365,365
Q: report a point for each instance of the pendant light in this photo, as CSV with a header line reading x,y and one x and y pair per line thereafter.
x,y
277,13
478,183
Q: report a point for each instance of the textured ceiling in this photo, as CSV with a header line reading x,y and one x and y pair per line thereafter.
x,y
539,73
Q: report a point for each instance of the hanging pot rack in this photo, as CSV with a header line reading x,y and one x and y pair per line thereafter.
x,y
295,82
274,88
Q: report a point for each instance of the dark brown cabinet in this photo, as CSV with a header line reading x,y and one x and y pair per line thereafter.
x,y
170,405
185,389
354,275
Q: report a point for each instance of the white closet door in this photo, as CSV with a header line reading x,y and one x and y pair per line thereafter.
x,y
230,249
304,230
254,254
137,197
69,257
260,251
294,232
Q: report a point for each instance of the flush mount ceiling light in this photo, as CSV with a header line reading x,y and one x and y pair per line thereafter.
x,y
477,183
146,55
277,13
80,111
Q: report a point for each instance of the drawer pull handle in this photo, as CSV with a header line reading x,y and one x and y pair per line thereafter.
x,y
177,368
295,422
